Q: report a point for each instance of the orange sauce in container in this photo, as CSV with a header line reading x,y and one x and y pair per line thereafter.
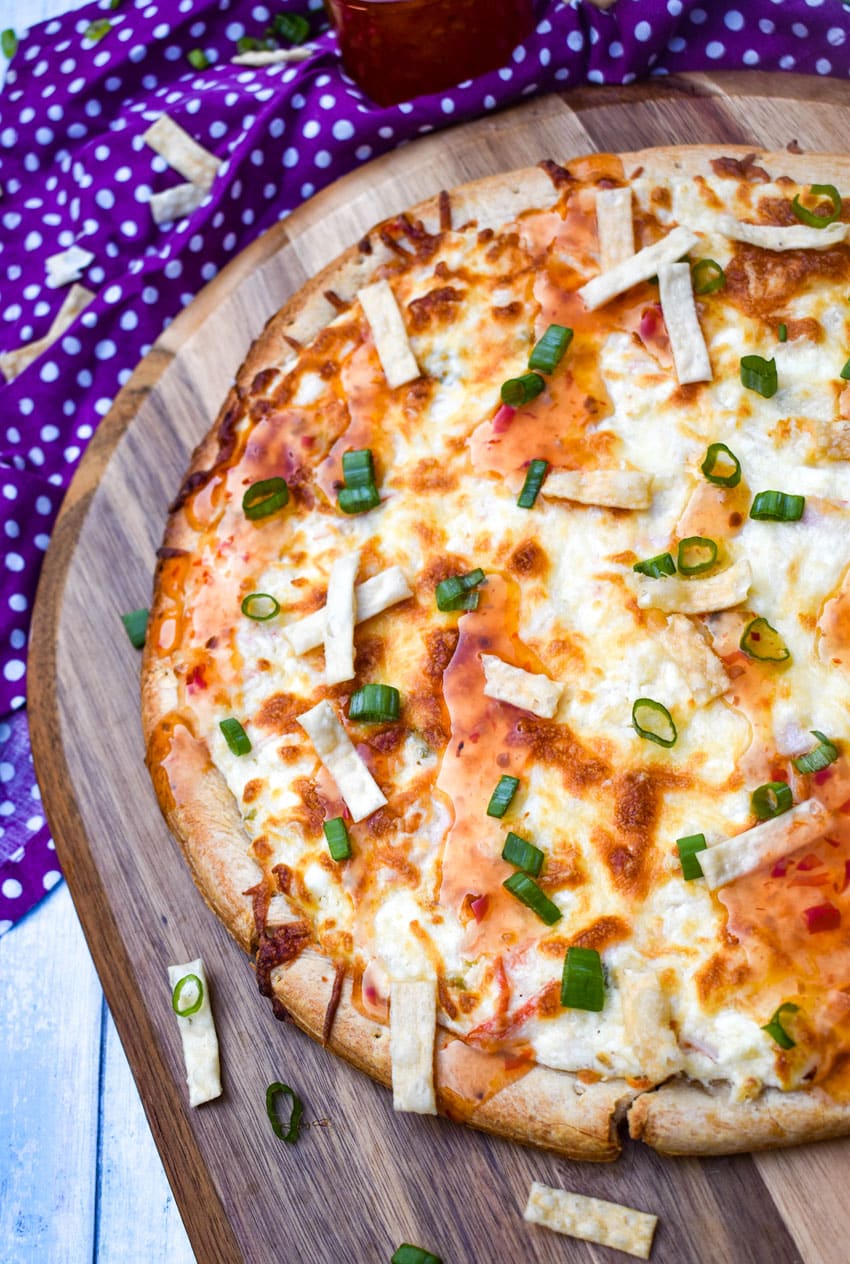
x,y
399,49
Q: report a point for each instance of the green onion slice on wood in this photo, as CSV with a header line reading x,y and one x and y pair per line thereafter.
x,y
283,1090
812,218
715,467
408,1254
195,999
265,498
502,796
653,721
235,736
375,704
550,350
763,642
583,983
772,506
759,375
527,891
688,848
775,1029
136,625
260,607
696,554
533,482
520,852
707,276
522,390
655,567
771,799
339,844
824,754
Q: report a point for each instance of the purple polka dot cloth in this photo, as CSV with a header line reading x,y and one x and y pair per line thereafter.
x,y
75,170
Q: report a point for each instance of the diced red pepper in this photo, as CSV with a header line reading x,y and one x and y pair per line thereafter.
x,y
822,917
780,869
479,907
809,861
846,881
822,776
503,419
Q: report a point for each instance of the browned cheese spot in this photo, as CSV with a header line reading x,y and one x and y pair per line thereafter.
x,y
758,281
601,934
556,745
279,713
718,978
740,169
252,790
529,558
436,308
432,475
312,813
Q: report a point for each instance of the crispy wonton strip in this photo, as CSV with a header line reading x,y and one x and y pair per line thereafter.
x,y
67,266
639,267
272,56
181,152
14,362
353,779
690,355
614,226
613,489
703,671
764,844
413,1030
784,237
198,1034
174,203
696,596
373,597
340,611
591,1219
529,690
391,343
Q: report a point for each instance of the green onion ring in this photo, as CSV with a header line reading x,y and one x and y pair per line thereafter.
x,y
687,848
648,707
265,498
700,546
771,799
253,601
821,756
656,567
717,452
178,993
759,375
707,277
272,1093
809,217
775,1029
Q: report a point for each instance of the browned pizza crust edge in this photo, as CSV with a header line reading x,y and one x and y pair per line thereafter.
x,y
548,1108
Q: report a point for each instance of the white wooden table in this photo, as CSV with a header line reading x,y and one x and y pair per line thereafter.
x,y
80,1178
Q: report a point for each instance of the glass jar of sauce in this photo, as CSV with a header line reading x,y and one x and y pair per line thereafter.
x,y
399,49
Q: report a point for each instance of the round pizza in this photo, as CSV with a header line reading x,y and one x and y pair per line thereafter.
x,y
497,682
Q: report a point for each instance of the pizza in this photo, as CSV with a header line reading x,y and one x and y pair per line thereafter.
x,y
497,681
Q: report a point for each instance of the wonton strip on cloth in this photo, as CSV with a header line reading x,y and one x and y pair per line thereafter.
x,y
75,170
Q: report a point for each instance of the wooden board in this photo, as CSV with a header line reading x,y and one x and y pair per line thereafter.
x,y
360,1180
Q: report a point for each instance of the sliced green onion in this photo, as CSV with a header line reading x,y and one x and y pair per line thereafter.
x,y
97,30
355,500
260,606
583,983
198,58
533,482
707,276
770,800
291,26
502,797
777,507
375,704
845,372
719,454
824,754
407,1254
235,736
783,333
763,642
456,592
191,981
688,847
527,891
358,467
696,554
115,4
272,1093
549,351
759,375
522,390
654,722
520,852
9,43
136,624
265,498
655,567
775,1029
250,44
339,844
810,217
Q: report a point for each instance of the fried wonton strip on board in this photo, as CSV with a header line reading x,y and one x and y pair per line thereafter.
x,y
591,1219
197,1032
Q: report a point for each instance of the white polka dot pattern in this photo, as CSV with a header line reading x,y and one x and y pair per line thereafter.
x,y
75,170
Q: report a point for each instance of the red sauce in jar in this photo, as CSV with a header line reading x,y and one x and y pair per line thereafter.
x,y
399,49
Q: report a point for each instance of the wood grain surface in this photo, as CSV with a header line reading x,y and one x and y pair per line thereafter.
x,y
360,1180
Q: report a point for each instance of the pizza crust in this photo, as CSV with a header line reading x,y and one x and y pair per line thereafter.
x,y
548,1108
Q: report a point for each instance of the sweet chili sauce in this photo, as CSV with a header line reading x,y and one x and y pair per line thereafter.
x,y
399,49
